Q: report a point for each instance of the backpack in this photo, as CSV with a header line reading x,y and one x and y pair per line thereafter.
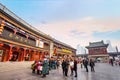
x,y
33,66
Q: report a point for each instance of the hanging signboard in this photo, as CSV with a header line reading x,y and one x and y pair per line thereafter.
x,y
17,38
66,51
39,43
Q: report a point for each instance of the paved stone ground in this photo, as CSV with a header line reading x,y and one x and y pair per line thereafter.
x,y
103,71
8,66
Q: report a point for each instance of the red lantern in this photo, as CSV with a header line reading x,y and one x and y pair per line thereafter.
x,y
1,44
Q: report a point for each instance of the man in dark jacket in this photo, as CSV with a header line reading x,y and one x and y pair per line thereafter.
x,y
66,67
75,67
63,67
86,64
92,64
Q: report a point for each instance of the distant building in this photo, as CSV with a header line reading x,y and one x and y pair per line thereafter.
x,y
82,55
98,50
80,49
110,47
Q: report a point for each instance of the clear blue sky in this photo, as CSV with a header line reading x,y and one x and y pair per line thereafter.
x,y
78,16
52,10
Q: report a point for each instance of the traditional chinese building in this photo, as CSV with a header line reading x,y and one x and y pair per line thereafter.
x,y
98,50
19,41
61,49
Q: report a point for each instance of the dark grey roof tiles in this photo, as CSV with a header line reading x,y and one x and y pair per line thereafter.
x,y
97,44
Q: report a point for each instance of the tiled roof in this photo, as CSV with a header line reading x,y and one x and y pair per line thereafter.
x,y
64,44
97,44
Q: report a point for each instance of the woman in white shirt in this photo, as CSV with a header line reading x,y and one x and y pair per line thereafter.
x,y
71,66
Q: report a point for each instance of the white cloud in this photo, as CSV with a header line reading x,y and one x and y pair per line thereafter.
x,y
87,25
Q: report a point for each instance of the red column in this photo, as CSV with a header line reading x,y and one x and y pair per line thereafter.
x,y
39,55
24,53
30,56
34,55
30,53
43,55
3,56
10,53
19,58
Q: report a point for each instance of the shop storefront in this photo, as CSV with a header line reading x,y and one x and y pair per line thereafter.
x,y
18,45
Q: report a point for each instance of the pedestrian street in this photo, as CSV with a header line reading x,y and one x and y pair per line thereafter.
x,y
103,71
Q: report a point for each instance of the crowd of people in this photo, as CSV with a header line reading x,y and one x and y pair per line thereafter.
x,y
72,63
114,61
85,62
42,67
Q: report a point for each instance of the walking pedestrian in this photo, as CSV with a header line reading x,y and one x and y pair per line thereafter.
x,y
71,66
45,68
66,67
111,61
81,63
75,67
92,64
33,67
86,64
38,67
63,67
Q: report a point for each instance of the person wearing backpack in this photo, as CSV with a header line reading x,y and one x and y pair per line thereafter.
x,y
33,67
